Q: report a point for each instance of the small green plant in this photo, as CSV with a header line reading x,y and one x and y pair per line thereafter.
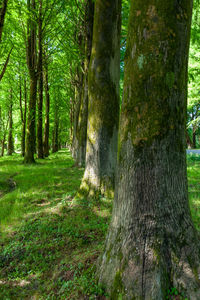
x,y
174,294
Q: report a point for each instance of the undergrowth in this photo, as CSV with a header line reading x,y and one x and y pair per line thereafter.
x,y
49,243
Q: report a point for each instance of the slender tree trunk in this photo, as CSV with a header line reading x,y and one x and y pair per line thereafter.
x,y
55,146
3,131
3,8
194,138
5,64
23,117
31,62
152,245
71,117
47,109
103,114
40,87
77,95
10,130
188,139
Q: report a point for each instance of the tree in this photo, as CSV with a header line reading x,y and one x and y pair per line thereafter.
x,y
47,109
3,9
103,110
40,83
152,245
32,66
80,125
10,129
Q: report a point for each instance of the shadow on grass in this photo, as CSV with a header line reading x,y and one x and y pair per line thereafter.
x,y
50,245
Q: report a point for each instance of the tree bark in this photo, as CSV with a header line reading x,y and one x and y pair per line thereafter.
x,y
103,111
55,144
194,138
3,131
5,65
81,128
47,109
3,9
23,115
10,129
152,245
188,139
77,96
40,86
32,66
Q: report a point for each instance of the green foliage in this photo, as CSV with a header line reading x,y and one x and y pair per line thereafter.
x,y
173,293
194,74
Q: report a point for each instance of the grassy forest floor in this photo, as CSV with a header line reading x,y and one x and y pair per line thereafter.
x,y
49,244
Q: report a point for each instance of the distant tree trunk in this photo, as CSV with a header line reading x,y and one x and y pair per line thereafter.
x,y
194,138
71,117
40,87
5,64
152,245
3,131
188,139
3,8
103,114
55,145
23,115
31,62
77,105
47,109
10,130
83,112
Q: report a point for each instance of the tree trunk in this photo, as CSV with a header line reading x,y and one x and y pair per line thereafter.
x,y
23,115
10,130
3,131
103,113
188,139
77,95
3,8
40,87
194,138
24,121
31,62
81,128
55,146
152,245
47,108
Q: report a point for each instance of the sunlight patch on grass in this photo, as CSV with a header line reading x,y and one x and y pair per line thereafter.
x,y
51,241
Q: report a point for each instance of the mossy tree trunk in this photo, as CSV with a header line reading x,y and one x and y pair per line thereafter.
x,y
47,109
32,67
40,85
103,110
152,244
10,128
81,128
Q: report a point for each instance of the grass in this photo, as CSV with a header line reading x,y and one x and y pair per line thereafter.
x,y
50,244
